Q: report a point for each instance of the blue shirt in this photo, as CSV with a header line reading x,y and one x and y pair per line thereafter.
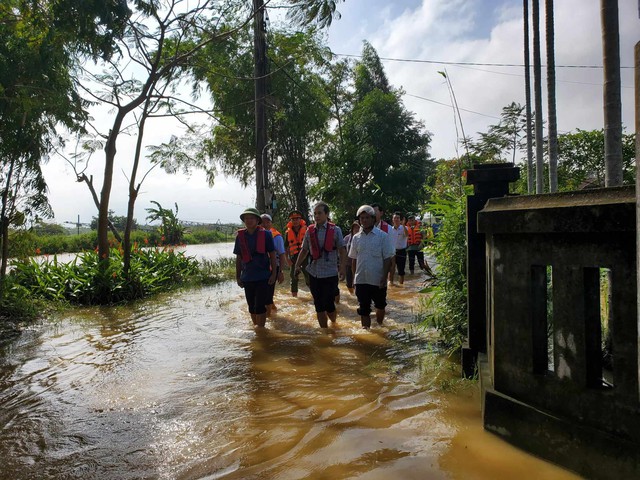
x,y
278,243
259,267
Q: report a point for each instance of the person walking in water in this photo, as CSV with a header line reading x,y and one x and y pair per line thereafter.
x,y
281,259
399,233
371,253
385,227
355,228
255,264
296,228
325,243
415,245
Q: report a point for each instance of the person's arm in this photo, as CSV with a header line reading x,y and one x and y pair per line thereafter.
x,y
301,258
239,271
386,268
343,262
283,262
274,267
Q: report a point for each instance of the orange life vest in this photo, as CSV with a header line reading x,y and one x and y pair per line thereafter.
x,y
316,250
275,232
415,234
294,240
246,253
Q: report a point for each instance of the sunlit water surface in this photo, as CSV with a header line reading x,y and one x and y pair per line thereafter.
x,y
182,387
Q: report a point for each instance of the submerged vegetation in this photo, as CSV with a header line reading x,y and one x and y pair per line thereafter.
x,y
35,284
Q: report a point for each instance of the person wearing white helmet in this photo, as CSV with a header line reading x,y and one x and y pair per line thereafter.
x,y
371,253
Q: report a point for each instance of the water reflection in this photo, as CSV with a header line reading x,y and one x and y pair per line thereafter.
x,y
183,387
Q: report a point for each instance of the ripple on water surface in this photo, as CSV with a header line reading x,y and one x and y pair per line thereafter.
x,y
183,387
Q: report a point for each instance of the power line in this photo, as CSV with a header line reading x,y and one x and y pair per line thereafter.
x,y
477,64
450,106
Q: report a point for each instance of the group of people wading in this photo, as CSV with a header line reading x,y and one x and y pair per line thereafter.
x,y
366,258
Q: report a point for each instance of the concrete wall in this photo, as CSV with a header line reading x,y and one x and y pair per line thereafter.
x,y
546,387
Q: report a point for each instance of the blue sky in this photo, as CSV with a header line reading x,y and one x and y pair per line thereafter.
x,y
478,31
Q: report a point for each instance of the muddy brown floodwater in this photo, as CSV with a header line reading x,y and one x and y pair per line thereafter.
x,y
182,387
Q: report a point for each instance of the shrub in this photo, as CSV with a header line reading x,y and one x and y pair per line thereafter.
x,y
447,306
82,280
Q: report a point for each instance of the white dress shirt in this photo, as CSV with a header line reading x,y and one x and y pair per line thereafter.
x,y
370,251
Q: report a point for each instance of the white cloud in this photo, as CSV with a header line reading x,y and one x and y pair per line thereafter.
x,y
486,32
443,30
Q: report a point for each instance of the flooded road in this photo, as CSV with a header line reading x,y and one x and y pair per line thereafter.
x,y
182,387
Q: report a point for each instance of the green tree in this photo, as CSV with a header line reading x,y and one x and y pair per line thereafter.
x,y
503,141
159,41
298,110
382,156
119,222
582,161
170,228
37,92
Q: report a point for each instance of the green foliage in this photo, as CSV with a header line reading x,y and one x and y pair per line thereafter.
x,y
381,153
170,229
448,301
119,221
581,161
203,235
17,302
216,271
82,280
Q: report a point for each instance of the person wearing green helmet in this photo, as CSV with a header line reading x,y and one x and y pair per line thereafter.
x,y
256,267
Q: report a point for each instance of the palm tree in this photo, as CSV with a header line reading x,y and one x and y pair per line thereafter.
x,y
527,87
551,98
611,93
537,91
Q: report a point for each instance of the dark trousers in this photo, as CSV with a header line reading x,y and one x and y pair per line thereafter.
x,y
412,259
401,260
272,289
370,293
324,293
292,273
257,294
349,274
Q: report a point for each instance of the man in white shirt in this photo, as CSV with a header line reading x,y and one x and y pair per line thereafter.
x,y
371,253
399,234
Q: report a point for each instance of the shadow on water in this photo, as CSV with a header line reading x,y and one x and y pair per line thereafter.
x,y
183,387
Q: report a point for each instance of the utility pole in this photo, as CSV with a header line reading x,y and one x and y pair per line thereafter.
x,y
260,74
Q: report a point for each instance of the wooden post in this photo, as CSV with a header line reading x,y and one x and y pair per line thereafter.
x,y
260,74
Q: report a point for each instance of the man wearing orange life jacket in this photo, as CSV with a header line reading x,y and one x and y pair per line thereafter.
x,y
255,264
281,259
415,245
296,228
324,241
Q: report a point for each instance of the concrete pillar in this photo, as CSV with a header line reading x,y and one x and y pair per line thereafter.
x,y
489,180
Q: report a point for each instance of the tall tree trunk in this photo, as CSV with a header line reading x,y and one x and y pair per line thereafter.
x,y
551,98
611,93
527,86
4,222
105,194
537,91
82,177
133,193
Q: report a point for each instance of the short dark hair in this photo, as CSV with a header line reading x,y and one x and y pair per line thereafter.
x,y
324,206
374,205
